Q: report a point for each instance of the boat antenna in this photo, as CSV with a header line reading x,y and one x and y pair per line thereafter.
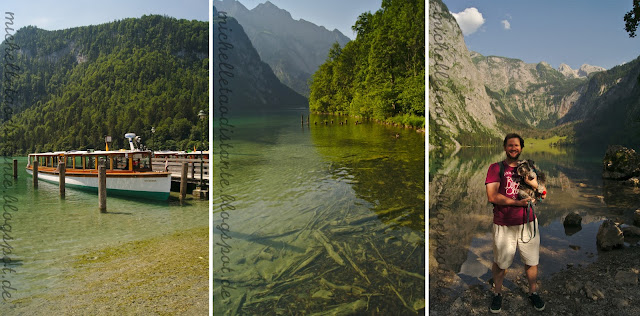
x,y
131,137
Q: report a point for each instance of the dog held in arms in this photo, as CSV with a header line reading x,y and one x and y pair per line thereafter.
x,y
527,168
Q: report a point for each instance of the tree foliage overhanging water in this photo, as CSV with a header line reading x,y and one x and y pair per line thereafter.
x,y
381,73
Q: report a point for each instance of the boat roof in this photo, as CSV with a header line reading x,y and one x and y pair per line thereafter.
x,y
97,152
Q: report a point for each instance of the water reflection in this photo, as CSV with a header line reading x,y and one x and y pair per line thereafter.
x,y
457,196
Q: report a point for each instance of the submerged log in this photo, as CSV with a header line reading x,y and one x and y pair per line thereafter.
x,y
354,308
325,242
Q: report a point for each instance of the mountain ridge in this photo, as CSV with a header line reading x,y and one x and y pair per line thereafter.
x,y
294,49
79,84
590,105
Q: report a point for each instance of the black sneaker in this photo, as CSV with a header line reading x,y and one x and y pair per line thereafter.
x,y
496,304
537,302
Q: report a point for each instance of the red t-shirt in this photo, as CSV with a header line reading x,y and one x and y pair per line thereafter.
x,y
502,214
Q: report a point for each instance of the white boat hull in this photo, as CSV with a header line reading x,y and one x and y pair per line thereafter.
x,y
132,185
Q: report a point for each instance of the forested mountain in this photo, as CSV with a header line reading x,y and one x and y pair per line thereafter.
x,y
293,49
607,110
77,85
380,74
238,68
593,107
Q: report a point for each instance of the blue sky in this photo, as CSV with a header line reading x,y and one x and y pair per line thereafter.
x,y
55,15
571,32
332,14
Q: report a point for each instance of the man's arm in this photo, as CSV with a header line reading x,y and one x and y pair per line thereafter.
x,y
496,198
534,184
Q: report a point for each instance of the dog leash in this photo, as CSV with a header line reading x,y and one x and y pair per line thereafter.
x,y
528,212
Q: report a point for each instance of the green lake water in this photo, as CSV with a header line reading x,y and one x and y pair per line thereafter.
x,y
48,232
458,201
318,217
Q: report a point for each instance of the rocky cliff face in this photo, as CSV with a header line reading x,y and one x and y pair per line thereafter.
x,y
584,71
607,107
475,98
252,83
567,71
533,94
459,106
293,49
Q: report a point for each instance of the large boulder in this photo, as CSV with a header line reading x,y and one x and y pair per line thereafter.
x,y
620,163
609,236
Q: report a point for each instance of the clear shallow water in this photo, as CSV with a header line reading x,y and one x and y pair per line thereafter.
x,y
49,232
326,216
574,183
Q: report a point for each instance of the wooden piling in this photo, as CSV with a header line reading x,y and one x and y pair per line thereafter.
x,y
301,119
63,171
35,173
102,188
183,180
15,168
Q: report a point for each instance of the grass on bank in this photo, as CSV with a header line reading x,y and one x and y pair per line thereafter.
x,y
545,145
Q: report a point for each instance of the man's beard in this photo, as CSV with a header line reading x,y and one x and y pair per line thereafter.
x,y
514,158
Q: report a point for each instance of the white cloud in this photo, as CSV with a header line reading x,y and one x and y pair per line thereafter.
x,y
506,24
470,20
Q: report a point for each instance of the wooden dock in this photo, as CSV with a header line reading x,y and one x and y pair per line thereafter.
x,y
174,166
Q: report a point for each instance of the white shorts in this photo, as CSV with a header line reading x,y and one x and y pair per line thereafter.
x,y
507,238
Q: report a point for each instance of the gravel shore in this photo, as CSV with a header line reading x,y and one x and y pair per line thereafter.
x,y
165,275
608,286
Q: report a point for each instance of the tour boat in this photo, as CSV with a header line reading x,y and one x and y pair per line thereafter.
x,y
129,172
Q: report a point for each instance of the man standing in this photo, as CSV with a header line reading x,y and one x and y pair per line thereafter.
x,y
511,227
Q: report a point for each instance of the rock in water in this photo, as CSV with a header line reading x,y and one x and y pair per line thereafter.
x,y
620,163
573,219
609,236
636,218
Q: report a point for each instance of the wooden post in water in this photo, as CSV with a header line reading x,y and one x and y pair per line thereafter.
x,y
63,171
183,180
35,173
301,119
102,188
15,168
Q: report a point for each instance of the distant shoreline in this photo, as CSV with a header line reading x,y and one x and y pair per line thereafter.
x,y
381,122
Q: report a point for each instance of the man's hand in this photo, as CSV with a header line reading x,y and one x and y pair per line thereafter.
x,y
525,202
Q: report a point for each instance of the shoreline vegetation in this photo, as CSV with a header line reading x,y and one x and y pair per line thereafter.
x,y
163,275
381,74
405,121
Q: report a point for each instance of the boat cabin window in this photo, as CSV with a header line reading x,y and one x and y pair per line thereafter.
x,y
69,163
120,162
78,162
141,162
89,162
